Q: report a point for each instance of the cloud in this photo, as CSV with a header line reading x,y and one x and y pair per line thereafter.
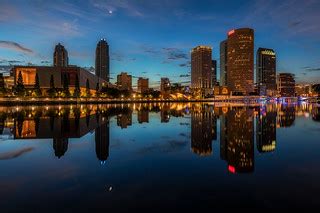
x,y
187,64
5,61
111,7
312,69
15,46
175,53
184,76
45,62
15,154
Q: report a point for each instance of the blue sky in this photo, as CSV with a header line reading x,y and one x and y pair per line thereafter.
x,y
154,38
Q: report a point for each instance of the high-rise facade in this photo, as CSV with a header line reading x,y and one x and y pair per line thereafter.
x,y
266,72
102,60
201,67
143,85
60,56
223,62
214,73
286,84
240,61
124,81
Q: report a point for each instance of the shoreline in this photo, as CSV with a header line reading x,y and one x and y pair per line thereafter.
x,y
61,101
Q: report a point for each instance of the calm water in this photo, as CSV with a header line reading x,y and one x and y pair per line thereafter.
x,y
159,157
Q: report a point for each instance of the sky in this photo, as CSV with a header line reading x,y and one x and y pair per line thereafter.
x,y
153,39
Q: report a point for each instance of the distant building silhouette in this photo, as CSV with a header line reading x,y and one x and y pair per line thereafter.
x,y
102,60
60,56
214,72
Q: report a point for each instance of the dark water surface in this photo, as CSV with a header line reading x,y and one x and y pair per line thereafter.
x,y
159,157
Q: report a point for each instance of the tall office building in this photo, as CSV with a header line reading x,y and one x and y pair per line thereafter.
x,y
223,62
143,85
102,60
124,81
165,85
201,67
240,61
286,84
214,72
60,56
266,72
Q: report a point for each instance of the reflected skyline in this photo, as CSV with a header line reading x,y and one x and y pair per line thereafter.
x,y
239,126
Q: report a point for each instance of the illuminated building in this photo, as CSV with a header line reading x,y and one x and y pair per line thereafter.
x,y
214,73
102,60
58,73
240,61
266,72
143,85
102,141
286,84
124,81
266,129
201,69
302,90
223,62
203,130
237,139
165,113
60,56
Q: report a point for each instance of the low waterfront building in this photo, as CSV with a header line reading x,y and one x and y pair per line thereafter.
x,y
286,84
46,73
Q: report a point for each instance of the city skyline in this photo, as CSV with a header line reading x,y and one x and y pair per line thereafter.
x,y
141,50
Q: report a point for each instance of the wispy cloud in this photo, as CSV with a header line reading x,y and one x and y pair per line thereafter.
x,y
113,6
15,46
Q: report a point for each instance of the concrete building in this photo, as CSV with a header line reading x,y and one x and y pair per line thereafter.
x,y
266,72
240,61
124,81
214,73
143,85
286,84
103,60
60,56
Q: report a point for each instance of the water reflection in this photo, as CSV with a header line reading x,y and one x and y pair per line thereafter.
x,y
240,126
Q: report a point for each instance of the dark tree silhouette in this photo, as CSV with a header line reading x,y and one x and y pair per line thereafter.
x,y
77,91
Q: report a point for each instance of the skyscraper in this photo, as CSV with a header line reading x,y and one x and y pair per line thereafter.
x,y
201,68
102,60
223,62
60,56
266,72
124,81
102,141
240,61
286,84
165,85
